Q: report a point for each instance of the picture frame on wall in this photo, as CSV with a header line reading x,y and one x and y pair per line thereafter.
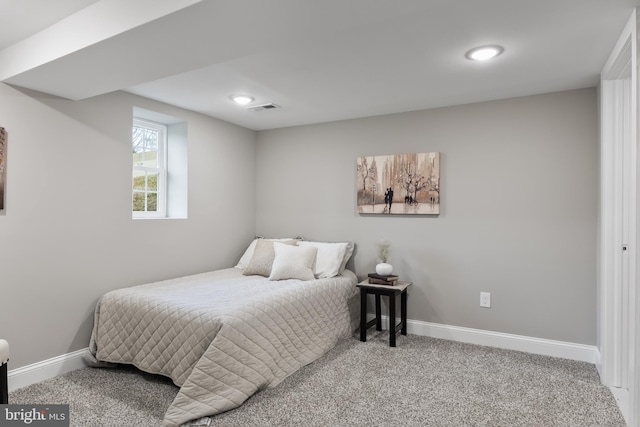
x,y
398,184
3,168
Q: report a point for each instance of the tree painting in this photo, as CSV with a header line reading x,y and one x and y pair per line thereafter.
x,y
406,184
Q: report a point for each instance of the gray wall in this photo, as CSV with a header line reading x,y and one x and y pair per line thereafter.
x,y
67,235
517,216
518,213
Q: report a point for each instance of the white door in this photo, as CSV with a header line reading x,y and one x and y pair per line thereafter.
x,y
617,226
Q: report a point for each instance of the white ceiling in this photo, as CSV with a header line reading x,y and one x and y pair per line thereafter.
x,y
319,60
22,18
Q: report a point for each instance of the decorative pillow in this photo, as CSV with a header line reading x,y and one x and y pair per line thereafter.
x,y
347,256
293,262
262,258
248,253
329,258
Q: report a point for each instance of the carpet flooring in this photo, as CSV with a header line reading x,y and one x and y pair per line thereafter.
x,y
422,382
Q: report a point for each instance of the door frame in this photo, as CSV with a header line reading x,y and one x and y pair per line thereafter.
x,y
617,296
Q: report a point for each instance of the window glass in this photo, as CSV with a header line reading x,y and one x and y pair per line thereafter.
x,y
149,169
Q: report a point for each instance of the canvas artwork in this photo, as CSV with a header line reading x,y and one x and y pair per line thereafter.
x,y
3,162
407,184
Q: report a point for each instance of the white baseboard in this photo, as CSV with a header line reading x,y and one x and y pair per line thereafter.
x,y
599,362
40,371
565,350
622,399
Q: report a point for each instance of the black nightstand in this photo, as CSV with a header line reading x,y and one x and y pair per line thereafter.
x,y
391,292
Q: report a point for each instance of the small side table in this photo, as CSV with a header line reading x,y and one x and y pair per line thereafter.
x,y
391,292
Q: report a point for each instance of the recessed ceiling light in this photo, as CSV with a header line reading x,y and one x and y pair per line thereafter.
x,y
483,53
241,99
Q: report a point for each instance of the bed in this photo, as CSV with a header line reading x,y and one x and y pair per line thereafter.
x,y
223,335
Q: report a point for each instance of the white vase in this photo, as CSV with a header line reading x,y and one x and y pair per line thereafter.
x,y
384,269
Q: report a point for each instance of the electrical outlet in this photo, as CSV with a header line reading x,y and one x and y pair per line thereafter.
x,y
485,299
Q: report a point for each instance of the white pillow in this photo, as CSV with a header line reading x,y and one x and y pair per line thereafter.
x,y
293,262
329,259
248,253
347,256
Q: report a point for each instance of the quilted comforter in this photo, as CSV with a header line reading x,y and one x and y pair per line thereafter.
x,y
222,336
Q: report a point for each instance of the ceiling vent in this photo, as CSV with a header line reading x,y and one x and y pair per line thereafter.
x,y
262,107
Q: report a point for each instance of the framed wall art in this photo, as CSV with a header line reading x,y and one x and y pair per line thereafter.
x,y
402,184
3,167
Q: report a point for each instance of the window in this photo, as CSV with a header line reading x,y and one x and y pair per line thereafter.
x,y
149,141
160,171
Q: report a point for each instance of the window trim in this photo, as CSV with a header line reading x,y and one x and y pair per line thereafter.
x,y
161,170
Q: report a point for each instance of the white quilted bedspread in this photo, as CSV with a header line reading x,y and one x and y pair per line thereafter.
x,y
222,336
